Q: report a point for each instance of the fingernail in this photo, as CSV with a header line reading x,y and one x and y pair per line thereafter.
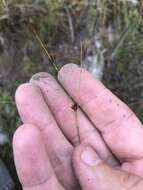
x,y
90,157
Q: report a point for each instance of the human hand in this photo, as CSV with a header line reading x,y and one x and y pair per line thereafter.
x,y
43,146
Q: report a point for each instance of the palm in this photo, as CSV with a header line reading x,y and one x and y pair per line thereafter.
x,y
120,131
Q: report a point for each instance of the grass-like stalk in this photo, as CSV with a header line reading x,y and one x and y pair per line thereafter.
x,y
79,88
45,50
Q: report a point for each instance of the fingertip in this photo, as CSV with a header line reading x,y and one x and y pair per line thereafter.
x,y
22,136
84,161
29,101
86,155
19,91
67,69
91,171
40,76
22,90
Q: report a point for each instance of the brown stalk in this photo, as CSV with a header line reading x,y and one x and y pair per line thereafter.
x,y
37,37
75,106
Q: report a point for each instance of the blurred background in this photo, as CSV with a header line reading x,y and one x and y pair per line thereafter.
x,y
112,35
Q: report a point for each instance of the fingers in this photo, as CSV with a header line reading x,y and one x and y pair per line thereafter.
x,y
33,166
120,128
69,119
59,103
93,173
33,110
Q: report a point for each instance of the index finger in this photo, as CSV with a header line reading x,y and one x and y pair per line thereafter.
x,y
120,128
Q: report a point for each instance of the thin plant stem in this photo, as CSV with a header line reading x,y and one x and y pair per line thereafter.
x,y
45,50
121,40
81,64
37,37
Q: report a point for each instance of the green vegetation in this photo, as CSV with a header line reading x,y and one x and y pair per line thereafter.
x,y
61,24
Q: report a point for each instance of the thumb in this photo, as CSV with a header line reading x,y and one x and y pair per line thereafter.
x,y
94,174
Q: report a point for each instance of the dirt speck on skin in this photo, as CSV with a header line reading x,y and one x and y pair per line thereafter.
x,y
74,107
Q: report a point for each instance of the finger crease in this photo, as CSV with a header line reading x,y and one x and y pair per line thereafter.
x,y
108,127
91,99
41,182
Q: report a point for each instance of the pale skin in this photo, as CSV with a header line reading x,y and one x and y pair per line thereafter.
x,y
47,151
